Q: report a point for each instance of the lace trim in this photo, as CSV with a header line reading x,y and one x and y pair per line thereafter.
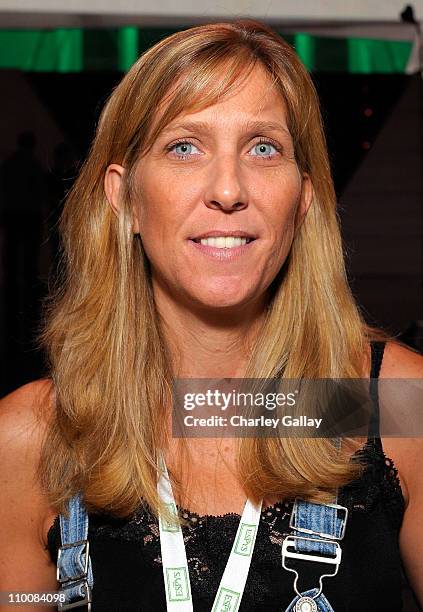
x,y
194,517
378,488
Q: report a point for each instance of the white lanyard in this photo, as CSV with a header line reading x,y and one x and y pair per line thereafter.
x,y
174,559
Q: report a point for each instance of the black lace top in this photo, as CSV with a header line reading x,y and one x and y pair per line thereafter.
x,y
126,561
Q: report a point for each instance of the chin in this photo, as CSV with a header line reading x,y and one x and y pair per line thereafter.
x,y
223,299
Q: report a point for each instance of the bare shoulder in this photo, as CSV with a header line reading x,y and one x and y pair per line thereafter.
x,y
407,453
24,416
24,419
33,398
401,362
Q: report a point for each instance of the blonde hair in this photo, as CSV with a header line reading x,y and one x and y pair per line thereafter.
x,y
107,357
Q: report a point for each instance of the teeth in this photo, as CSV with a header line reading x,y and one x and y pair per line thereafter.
x,y
224,242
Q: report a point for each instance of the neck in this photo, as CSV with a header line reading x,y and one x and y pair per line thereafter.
x,y
205,342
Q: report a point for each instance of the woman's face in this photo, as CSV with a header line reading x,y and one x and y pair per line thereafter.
x,y
227,170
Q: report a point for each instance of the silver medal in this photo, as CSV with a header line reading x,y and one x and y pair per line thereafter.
x,y
306,604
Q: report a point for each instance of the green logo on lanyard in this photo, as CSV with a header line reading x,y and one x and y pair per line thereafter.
x,y
168,526
177,584
244,542
227,601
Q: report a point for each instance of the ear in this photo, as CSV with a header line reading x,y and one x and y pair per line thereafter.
x,y
306,198
112,184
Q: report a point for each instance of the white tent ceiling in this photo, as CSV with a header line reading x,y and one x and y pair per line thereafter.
x,y
162,12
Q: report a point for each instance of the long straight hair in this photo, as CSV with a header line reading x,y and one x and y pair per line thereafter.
x,y
107,357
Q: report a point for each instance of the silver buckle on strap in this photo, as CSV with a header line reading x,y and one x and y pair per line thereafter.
x,y
81,602
322,535
289,541
77,576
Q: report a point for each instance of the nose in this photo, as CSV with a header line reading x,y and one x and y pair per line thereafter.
x,y
225,188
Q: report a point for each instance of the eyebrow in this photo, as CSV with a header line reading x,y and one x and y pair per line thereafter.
x,y
250,126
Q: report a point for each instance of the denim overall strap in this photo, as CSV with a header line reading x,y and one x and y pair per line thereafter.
x,y
317,528
74,570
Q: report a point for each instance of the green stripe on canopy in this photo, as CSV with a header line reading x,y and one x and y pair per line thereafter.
x,y
75,50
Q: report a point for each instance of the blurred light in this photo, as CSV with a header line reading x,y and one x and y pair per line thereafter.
x,y
127,47
368,112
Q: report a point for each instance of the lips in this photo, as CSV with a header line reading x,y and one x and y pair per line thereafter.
x,y
224,233
222,254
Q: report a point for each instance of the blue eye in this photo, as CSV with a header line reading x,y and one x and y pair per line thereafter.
x,y
182,149
264,149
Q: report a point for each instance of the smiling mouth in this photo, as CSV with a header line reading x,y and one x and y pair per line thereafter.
x,y
223,242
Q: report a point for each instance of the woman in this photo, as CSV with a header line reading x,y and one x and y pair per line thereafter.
x,y
215,133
